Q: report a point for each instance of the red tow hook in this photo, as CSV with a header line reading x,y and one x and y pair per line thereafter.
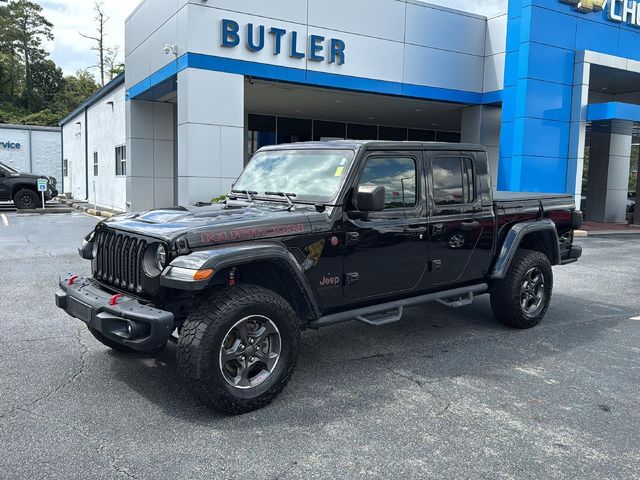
x,y
114,299
72,279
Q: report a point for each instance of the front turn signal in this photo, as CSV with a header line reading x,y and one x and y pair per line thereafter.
x,y
204,274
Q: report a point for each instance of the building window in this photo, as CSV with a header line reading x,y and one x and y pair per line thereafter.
x,y
392,133
95,164
357,131
452,181
396,175
291,130
422,135
65,167
452,137
261,132
325,131
121,160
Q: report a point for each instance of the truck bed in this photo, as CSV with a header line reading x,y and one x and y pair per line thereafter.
x,y
507,202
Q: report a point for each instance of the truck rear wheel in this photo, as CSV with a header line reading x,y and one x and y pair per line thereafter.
x,y
522,298
26,199
238,349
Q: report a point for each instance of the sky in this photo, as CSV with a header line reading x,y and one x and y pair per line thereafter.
x,y
70,17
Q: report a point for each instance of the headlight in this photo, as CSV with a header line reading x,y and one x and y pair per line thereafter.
x,y
161,257
89,247
155,259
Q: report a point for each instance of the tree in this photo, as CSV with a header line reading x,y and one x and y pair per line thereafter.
x,y
75,89
24,28
107,56
46,82
114,66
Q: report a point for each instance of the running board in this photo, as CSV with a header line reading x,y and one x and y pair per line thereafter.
x,y
389,312
456,302
382,318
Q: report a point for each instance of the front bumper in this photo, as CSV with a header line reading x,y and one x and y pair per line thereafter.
x,y
128,322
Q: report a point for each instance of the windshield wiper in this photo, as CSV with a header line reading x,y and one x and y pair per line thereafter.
x,y
287,197
248,193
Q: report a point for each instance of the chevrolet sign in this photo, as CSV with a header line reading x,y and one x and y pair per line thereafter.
x,y
621,11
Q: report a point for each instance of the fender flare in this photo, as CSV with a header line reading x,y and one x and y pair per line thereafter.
x,y
235,254
512,242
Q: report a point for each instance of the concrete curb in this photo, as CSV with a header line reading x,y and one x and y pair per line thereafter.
x,y
85,207
46,211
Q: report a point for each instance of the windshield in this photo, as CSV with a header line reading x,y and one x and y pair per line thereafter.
x,y
312,175
8,168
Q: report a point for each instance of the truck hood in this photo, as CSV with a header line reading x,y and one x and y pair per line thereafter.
x,y
216,224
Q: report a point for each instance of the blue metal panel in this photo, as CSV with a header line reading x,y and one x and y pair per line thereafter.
x,y
613,111
549,27
309,77
541,56
544,138
547,100
629,41
542,174
607,35
542,38
511,69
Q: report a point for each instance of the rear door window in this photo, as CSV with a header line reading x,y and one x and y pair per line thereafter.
x,y
452,179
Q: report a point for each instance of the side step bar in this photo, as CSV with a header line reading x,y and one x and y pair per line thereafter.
x,y
389,312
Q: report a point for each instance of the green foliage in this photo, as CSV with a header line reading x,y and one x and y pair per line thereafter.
x,y
33,89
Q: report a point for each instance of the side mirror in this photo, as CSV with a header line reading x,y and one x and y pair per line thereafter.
x,y
370,198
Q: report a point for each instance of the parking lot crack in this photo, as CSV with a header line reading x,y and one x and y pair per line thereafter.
x,y
423,384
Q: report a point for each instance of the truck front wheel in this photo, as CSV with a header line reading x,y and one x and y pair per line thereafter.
x,y
522,298
26,199
238,349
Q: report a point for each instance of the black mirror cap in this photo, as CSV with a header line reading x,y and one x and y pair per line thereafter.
x,y
371,198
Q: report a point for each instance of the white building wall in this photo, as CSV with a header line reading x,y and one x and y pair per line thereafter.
x,y
73,139
402,41
106,121
495,52
37,153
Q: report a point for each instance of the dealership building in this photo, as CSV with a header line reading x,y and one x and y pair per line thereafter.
x,y
31,149
208,82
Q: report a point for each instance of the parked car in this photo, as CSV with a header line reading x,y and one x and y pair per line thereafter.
x,y
315,234
22,188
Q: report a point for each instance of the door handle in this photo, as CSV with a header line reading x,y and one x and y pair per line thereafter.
x,y
470,225
415,229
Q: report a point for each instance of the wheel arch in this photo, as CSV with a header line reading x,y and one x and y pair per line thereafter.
x,y
22,186
540,236
267,264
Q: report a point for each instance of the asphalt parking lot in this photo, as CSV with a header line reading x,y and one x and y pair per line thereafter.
x,y
442,394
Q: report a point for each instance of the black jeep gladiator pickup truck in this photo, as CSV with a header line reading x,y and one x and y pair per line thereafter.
x,y
315,234
22,188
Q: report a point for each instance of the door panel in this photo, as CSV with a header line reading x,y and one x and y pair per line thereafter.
x,y
387,251
461,229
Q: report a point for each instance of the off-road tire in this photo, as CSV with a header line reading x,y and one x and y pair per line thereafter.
x,y
204,332
26,199
110,343
506,293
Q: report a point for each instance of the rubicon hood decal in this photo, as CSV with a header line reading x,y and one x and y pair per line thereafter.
x,y
222,236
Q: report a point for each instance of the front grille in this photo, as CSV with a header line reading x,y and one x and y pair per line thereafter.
x,y
119,260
